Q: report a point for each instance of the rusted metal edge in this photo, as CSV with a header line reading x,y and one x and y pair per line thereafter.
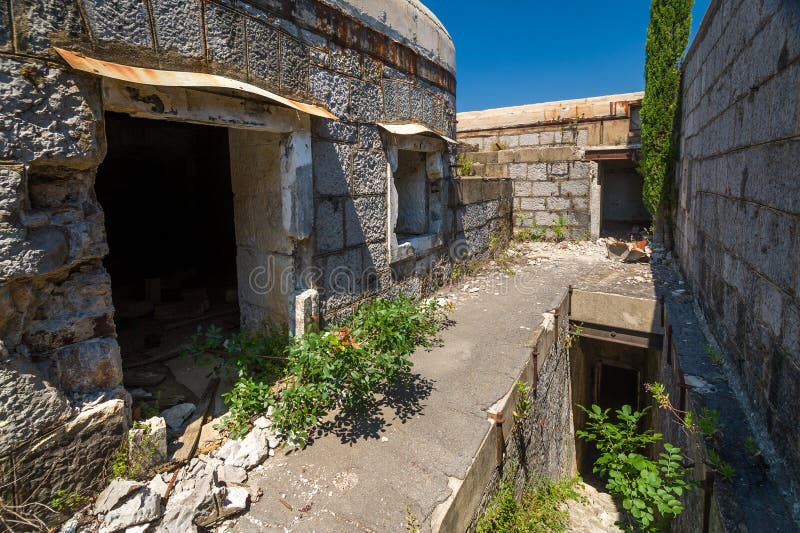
x,y
413,128
175,78
637,339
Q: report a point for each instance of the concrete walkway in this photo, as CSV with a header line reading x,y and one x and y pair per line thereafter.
x,y
389,471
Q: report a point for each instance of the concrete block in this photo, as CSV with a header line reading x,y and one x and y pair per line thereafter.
x,y
329,224
346,60
262,53
306,311
547,138
369,172
320,58
334,130
559,169
537,171
575,188
522,188
369,137
341,275
535,155
397,99
518,171
225,37
555,203
496,171
124,21
294,66
179,27
483,157
366,101
372,70
580,170
365,220
544,188
529,139
332,167
533,204
43,18
331,88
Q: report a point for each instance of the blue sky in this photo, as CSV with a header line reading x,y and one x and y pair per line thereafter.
x,y
513,53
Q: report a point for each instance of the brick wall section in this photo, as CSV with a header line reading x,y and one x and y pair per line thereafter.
x,y
738,220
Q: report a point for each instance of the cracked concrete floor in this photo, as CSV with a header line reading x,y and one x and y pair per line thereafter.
x,y
397,465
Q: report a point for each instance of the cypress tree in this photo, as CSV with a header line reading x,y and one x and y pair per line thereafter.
x,y
667,37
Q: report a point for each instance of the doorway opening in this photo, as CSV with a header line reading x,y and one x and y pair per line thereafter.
x,y
623,213
165,188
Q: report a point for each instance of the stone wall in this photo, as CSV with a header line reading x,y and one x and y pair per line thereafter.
x,y
58,353
549,151
737,232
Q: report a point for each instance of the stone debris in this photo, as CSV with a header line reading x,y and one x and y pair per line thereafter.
x,y
116,491
147,444
177,415
628,252
250,451
141,507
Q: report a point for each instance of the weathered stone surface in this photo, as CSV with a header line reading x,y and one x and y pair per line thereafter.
x,y
225,37
90,364
372,69
333,89
330,225
47,114
369,172
191,497
262,52
332,167
5,27
396,99
179,27
75,456
365,220
142,507
114,493
175,416
231,474
123,21
294,66
147,445
346,61
42,20
369,137
366,101
248,452
334,130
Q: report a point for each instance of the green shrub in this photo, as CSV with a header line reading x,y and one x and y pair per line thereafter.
x,y
667,37
541,508
648,489
306,377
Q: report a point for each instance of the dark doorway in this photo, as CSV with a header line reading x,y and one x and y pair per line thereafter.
x,y
624,215
165,189
616,387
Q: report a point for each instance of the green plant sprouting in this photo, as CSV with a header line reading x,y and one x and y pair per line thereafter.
x,y
648,489
522,407
306,377
560,228
465,165
575,331
541,508
68,501
751,446
714,354
721,467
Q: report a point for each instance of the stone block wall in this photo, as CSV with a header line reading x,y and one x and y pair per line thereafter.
x,y
737,232
549,153
58,348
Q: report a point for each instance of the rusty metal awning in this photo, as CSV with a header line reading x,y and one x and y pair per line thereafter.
x,y
615,153
413,128
194,80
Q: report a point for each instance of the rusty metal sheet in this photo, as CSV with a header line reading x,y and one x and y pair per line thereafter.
x,y
412,128
172,78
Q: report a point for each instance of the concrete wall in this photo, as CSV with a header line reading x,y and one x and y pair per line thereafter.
x,y
58,351
549,152
738,220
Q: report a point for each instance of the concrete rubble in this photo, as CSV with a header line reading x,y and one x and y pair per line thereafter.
x,y
207,490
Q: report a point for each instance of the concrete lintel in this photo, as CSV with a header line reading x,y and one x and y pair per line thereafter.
x,y
626,312
199,107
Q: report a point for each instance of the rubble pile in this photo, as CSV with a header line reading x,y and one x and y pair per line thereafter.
x,y
202,493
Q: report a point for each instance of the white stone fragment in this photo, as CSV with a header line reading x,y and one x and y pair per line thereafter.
x,y
114,493
177,415
237,499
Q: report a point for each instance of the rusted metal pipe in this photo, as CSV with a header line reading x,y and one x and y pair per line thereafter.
x,y
500,440
708,492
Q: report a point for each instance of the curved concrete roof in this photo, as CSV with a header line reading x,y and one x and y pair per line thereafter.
x,y
407,21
